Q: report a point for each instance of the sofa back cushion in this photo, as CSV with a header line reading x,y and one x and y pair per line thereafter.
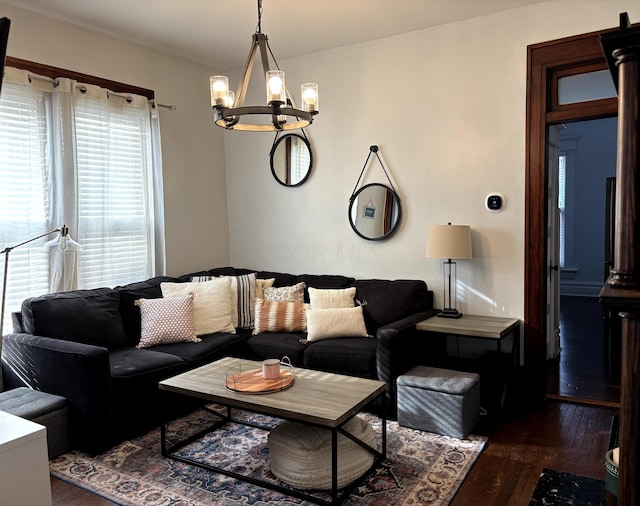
x,y
386,301
83,316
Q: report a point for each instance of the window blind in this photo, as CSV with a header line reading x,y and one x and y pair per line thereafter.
x,y
113,175
24,198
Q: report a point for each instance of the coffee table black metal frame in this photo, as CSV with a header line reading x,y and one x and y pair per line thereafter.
x,y
337,495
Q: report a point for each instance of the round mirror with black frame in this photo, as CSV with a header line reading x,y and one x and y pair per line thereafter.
x,y
374,212
291,159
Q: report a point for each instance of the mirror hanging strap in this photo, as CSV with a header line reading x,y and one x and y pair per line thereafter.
x,y
372,150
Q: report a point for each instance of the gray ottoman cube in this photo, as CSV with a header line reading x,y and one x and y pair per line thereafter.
x,y
42,408
439,400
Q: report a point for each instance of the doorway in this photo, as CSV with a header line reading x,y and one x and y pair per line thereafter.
x,y
587,366
548,64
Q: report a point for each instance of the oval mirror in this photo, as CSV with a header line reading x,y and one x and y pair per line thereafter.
x,y
374,212
291,160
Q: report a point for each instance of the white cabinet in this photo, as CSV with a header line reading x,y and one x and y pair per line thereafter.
x,y
24,462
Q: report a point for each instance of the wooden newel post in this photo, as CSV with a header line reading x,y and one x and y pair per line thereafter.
x,y
621,292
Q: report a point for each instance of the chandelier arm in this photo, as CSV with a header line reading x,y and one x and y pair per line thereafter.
x,y
241,91
262,44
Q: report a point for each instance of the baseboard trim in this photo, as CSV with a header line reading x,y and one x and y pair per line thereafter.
x,y
582,401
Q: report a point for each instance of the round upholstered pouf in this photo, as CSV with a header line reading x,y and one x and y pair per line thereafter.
x,y
300,455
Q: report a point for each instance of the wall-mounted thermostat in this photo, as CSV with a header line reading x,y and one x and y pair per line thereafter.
x,y
495,202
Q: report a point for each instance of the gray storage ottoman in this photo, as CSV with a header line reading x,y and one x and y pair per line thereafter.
x,y
43,408
439,400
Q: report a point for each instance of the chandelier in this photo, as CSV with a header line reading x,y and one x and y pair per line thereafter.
x,y
280,113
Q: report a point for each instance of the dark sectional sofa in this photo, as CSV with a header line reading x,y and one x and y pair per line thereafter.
x,y
81,345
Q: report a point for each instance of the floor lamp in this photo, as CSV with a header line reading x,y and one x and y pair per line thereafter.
x,y
63,242
449,242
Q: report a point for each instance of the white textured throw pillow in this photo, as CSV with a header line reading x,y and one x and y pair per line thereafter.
x,y
337,322
211,304
332,298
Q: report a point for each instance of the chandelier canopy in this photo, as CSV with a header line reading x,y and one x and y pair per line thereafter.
x,y
280,113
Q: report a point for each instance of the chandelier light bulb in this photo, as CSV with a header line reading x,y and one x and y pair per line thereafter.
x,y
275,86
309,93
219,90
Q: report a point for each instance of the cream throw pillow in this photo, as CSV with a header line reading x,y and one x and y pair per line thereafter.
x,y
261,284
211,304
336,322
333,298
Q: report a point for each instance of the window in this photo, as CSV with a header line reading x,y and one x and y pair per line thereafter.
x,y
562,169
81,155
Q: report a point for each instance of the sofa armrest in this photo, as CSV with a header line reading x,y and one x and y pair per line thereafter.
x,y
79,372
400,347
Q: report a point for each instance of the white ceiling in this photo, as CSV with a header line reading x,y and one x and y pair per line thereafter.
x,y
217,33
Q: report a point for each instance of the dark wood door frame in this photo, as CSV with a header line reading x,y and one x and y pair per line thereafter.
x,y
546,62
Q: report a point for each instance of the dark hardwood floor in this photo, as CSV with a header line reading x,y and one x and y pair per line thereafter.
x,y
588,368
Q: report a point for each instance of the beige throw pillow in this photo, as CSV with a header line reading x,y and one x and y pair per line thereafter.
x,y
293,293
337,322
261,284
332,298
211,304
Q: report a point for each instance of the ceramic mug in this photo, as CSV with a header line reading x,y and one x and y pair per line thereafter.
x,y
271,369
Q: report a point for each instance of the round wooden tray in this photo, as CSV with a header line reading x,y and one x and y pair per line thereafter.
x,y
252,382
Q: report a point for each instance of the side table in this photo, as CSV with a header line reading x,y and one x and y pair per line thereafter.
x,y
493,368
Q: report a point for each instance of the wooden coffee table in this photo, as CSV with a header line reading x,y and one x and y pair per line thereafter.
x,y
316,398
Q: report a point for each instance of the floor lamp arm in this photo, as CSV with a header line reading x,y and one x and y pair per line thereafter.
x,y
6,252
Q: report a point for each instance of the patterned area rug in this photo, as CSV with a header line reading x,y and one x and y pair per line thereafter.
x,y
421,467
559,489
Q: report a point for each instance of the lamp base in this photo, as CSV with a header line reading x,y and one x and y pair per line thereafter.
x,y
449,313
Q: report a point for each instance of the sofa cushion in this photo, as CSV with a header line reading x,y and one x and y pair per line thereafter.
x,y
335,323
349,355
385,301
210,348
83,316
211,304
166,320
149,289
276,345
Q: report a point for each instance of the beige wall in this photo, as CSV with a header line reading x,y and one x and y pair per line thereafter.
x,y
446,106
192,147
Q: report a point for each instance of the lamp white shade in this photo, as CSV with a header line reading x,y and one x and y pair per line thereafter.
x,y
449,241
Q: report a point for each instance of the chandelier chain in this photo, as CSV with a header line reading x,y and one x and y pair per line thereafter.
x,y
259,27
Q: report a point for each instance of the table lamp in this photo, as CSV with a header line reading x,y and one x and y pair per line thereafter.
x,y
449,242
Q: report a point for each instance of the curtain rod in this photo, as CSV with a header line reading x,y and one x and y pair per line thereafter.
x,y
84,89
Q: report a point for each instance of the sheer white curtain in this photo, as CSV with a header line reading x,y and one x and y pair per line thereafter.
x,y
80,155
